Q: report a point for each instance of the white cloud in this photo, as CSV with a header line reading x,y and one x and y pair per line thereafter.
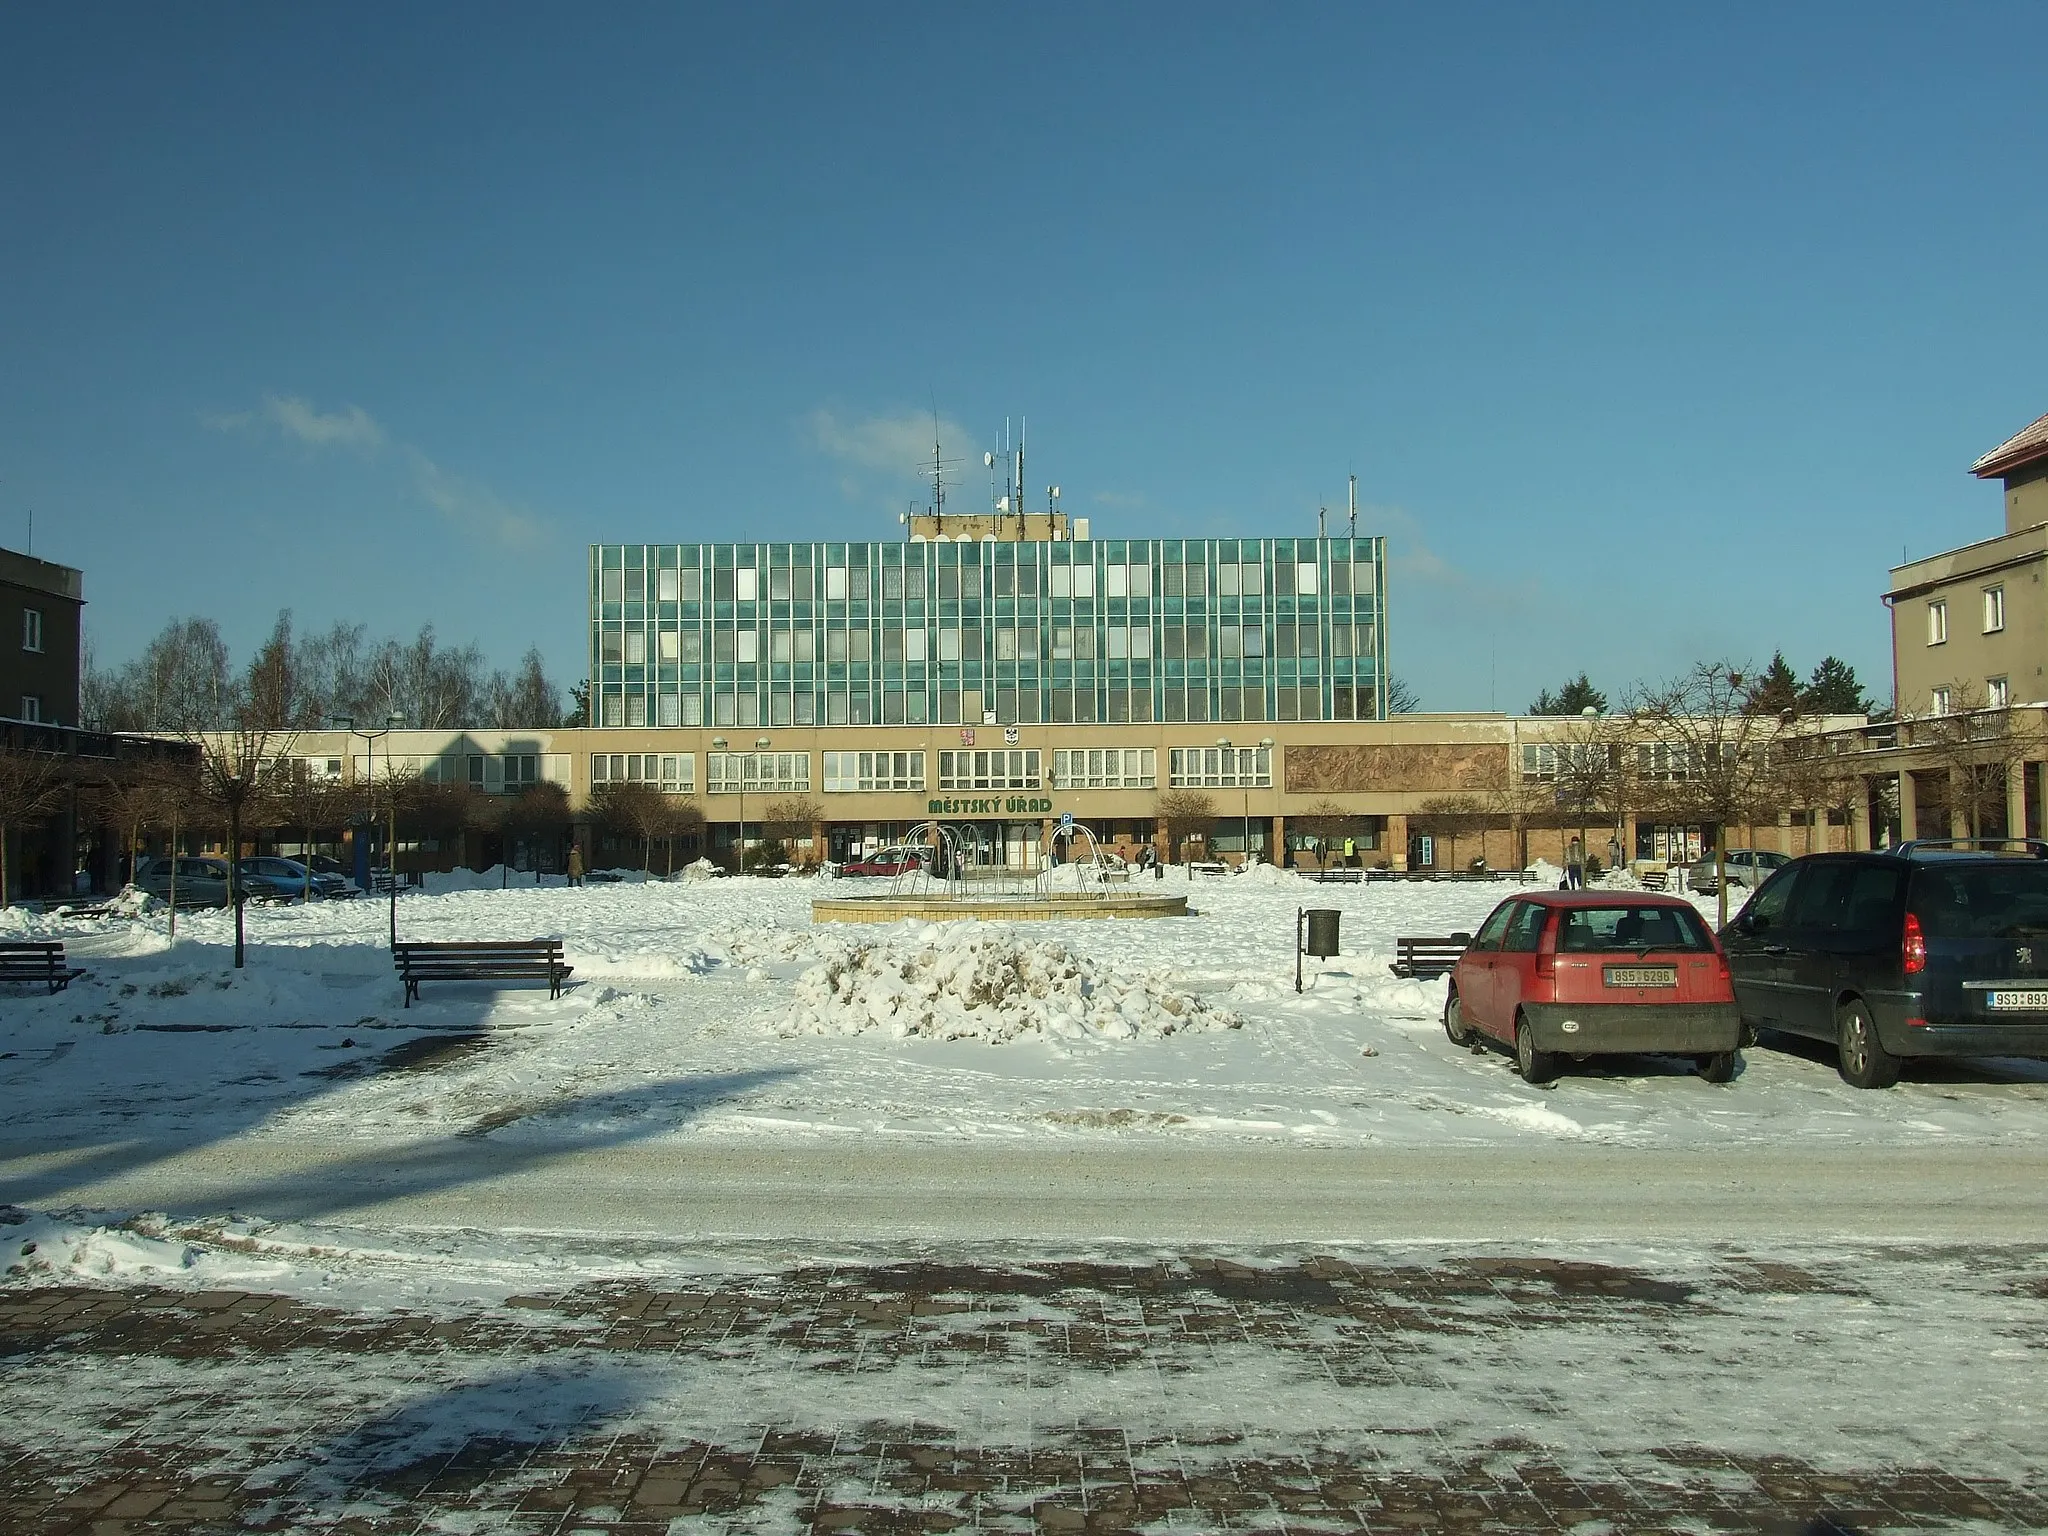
x,y
472,507
476,509
302,422
898,447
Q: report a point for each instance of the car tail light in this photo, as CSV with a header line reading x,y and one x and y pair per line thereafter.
x,y
1915,945
1546,952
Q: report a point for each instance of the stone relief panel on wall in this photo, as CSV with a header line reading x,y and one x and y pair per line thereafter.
x,y
1440,767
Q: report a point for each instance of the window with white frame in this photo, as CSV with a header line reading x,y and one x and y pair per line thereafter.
x,y
1544,761
636,709
1221,767
746,645
1938,701
857,772
1675,761
1105,768
31,629
1937,623
732,773
673,773
746,585
1994,609
1305,578
994,768
667,586
1997,693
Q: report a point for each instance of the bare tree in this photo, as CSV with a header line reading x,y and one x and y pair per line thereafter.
x,y
33,786
1977,746
1452,817
237,773
628,808
790,821
1326,821
1185,812
527,700
542,810
1707,755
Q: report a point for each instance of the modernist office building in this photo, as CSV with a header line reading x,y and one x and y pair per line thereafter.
x,y
985,669
987,631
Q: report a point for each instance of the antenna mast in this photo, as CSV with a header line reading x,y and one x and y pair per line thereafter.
x,y
1354,506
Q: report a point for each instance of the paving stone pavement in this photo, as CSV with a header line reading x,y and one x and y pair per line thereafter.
x,y
140,1410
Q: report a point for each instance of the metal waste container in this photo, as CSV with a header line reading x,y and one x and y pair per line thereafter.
x,y
1322,932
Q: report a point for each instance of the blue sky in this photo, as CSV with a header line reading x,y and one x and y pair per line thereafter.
x,y
1651,334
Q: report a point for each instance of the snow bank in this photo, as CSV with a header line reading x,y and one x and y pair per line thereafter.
x,y
55,1249
972,982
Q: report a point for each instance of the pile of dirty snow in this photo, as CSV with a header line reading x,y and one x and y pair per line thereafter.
x,y
969,981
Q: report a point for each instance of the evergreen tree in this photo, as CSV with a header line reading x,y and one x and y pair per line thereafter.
x,y
1834,690
1574,698
1775,690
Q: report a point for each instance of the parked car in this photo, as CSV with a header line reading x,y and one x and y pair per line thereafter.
x,y
888,861
1935,948
274,879
1552,974
1748,868
202,881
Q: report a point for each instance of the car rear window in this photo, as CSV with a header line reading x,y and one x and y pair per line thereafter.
x,y
1609,929
2001,899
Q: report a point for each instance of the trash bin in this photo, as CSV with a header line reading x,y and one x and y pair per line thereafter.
x,y
1322,932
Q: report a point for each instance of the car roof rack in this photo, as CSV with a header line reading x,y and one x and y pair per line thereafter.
x,y
1923,847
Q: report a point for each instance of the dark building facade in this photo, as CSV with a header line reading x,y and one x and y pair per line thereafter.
x,y
41,645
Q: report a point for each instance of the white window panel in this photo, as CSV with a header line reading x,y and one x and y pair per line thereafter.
x,y
1116,582
746,585
746,645
668,586
1084,581
1061,583
732,773
1305,579
1221,767
995,768
1141,642
914,645
835,583
636,646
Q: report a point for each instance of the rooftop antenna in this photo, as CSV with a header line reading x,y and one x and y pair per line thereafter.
x,y
1322,515
1354,506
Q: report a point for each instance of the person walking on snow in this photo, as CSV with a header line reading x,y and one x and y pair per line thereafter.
x,y
575,864
1575,865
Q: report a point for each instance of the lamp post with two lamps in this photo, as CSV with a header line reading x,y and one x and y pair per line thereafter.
x,y
718,744
1245,782
392,722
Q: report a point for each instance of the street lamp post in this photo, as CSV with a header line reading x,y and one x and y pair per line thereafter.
x,y
392,722
1244,783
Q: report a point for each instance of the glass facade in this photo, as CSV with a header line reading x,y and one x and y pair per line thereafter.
x,y
997,633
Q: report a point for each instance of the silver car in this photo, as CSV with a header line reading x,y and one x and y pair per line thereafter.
x,y
1748,868
202,881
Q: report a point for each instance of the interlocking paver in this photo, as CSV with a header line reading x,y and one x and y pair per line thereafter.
x,y
387,1423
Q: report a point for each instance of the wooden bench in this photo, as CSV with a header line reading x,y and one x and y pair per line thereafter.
x,y
1425,959
1207,867
37,960
481,960
1337,874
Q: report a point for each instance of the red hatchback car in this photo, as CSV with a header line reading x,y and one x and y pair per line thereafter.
x,y
1589,973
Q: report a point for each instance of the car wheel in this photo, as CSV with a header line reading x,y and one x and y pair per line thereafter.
x,y
1864,1061
1718,1066
1535,1066
1455,1024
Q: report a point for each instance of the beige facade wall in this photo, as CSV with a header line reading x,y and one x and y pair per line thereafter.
x,y
2016,565
1396,773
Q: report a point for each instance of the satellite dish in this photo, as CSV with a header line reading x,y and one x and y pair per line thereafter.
x,y
988,461
1053,491
902,517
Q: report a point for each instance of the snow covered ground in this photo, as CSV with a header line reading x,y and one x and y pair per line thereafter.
x,y
715,1009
